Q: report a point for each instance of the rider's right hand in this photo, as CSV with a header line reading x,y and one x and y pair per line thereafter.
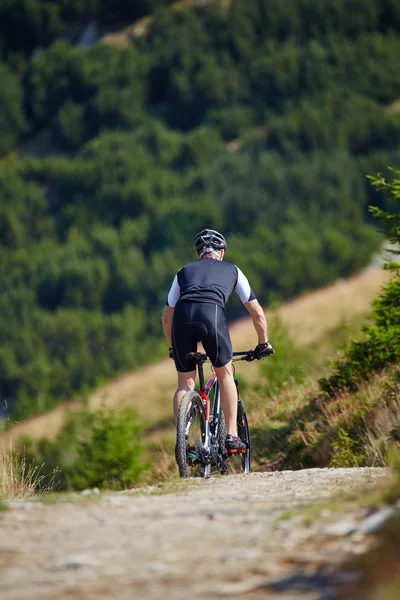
x,y
262,350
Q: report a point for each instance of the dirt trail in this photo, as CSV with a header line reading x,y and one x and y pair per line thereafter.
x,y
230,536
307,319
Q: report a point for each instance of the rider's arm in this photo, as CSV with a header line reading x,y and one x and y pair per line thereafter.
x,y
167,322
259,321
249,300
172,299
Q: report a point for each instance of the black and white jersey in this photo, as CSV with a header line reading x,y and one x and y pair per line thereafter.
x,y
209,280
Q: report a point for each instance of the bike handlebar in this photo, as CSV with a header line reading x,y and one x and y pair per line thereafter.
x,y
249,355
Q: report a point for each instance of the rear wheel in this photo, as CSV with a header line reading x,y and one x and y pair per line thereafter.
x,y
190,436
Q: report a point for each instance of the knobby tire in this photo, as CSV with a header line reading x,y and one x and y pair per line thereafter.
x,y
222,459
244,434
191,415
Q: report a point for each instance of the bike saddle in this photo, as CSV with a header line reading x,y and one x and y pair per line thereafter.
x,y
197,357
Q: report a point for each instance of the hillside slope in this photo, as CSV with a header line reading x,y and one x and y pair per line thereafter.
x,y
149,389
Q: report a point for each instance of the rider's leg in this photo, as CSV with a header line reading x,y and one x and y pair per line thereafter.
x,y
228,397
186,382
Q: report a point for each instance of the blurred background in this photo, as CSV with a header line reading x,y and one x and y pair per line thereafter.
x,y
127,126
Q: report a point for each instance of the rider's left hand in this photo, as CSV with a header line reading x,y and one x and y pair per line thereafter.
x,y
262,350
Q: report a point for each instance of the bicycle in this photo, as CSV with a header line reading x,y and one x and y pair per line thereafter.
x,y
201,430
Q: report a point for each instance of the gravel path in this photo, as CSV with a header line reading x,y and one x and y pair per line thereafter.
x,y
237,536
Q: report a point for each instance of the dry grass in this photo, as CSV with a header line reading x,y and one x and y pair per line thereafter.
x,y
394,107
302,427
18,478
162,459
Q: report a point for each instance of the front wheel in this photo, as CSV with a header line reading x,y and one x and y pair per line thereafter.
x,y
244,434
190,436
240,463
222,456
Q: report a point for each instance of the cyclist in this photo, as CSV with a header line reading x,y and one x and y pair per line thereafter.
x,y
195,312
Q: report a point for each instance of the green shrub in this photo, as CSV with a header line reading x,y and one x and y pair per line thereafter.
x,y
381,347
345,451
111,456
231,122
101,449
79,92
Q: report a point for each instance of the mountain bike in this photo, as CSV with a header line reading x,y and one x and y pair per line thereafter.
x,y
201,431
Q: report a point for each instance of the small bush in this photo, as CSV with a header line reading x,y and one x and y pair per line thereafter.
x,y
110,458
344,451
381,347
101,449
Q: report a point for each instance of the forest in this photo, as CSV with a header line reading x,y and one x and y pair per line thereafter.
x,y
260,119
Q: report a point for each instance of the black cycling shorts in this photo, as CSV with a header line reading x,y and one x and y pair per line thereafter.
x,y
200,322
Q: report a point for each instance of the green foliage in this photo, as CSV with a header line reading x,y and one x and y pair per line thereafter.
x,y
79,92
393,494
110,458
91,237
357,125
12,119
382,344
345,451
95,449
231,122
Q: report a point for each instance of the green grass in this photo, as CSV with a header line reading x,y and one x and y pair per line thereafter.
x,y
304,428
295,425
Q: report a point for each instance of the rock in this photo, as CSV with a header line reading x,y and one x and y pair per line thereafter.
x,y
342,528
159,568
90,491
376,521
73,561
242,587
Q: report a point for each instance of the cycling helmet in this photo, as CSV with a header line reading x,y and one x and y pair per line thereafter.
x,y
209,238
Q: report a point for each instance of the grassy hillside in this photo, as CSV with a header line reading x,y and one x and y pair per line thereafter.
x,y
257,118
308,331
310,320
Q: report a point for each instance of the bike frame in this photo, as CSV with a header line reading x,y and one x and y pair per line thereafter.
x,y
205,388
204,391
211,443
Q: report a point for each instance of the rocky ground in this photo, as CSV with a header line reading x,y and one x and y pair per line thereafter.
x,y
262,535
